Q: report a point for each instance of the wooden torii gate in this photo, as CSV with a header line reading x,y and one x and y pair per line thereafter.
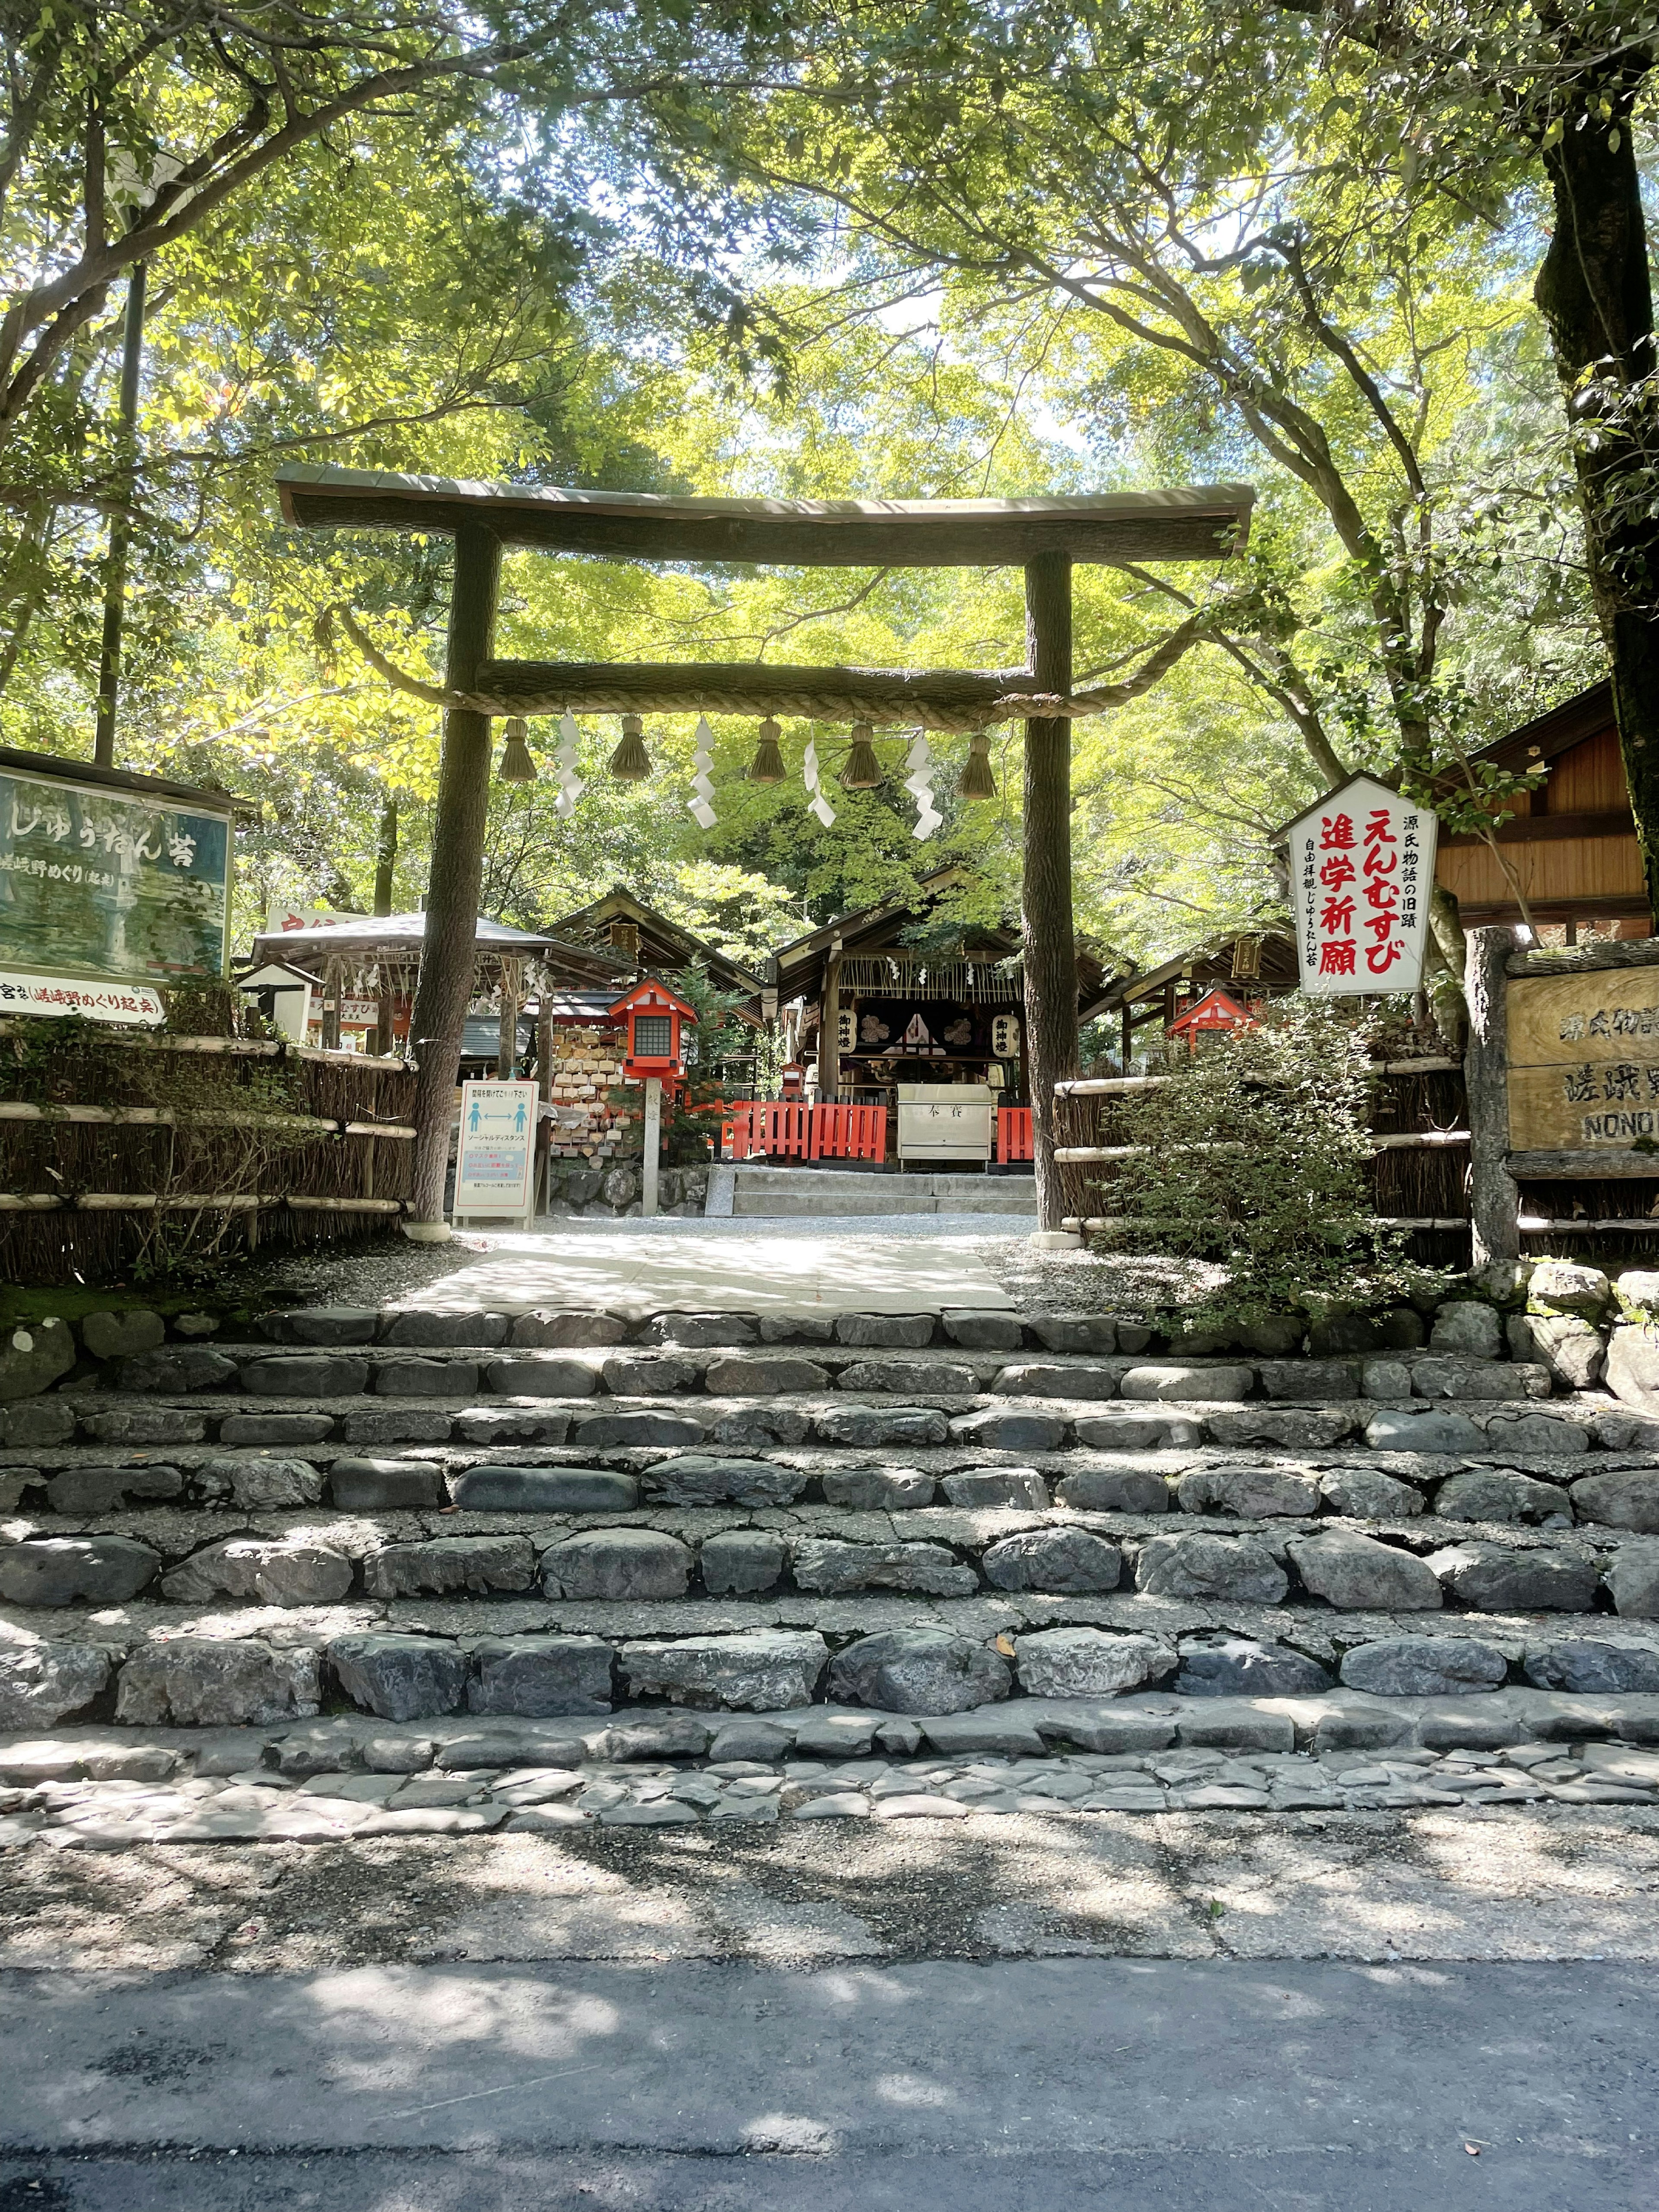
x,y
1044,536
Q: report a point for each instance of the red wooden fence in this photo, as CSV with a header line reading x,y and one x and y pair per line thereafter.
x,y
772,1129
1013,1133
849,1132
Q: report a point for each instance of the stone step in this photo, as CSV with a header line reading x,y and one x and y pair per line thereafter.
x,y
987,1200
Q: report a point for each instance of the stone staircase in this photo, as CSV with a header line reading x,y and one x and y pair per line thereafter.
x,y
803,1192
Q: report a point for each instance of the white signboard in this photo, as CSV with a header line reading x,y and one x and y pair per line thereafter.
x,y
495,1166
278,916
1361,870
133,1005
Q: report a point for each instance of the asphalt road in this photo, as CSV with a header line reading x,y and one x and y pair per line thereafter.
x,y
942,2087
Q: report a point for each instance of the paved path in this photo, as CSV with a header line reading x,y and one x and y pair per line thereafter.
x,y
854,1264
1020,2086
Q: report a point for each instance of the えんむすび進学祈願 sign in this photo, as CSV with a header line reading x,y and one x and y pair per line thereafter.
x,y
1361,873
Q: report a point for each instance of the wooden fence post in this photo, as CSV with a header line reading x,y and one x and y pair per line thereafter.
x,y
1493,1199
1046,894
449,952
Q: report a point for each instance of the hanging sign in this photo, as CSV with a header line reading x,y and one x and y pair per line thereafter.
x,y
132,1005
846,1030
1005,1036
1361,872
495,1164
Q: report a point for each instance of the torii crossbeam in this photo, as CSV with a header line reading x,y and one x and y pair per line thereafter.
x,y
1044,536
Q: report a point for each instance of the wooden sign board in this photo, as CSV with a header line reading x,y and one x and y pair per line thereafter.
x,y
1584,1055
1362,870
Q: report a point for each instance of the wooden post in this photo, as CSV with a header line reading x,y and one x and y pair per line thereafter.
x,y
1046,894
506,1048
829,1031
545,1091
448,952
1493,1196
333,985
653,1143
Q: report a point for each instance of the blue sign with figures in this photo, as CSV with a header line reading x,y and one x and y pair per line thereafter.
x,y
100,881
495,1163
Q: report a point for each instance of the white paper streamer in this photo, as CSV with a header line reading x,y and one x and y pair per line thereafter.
x,y
703,781
820,806
571,786
920,784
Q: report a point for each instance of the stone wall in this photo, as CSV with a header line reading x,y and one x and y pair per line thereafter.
x,y
604,1189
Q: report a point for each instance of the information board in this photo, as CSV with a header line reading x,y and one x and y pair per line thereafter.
x,y
495,1164
1584,1055
1362,870
119,886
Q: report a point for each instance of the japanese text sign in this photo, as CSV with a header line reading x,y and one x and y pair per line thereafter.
x,y
1361,872
1583,1060
98,881
495,1164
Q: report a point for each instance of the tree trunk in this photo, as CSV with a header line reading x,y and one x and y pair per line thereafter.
x,y
1596,296
1051,1042
386,856
449,954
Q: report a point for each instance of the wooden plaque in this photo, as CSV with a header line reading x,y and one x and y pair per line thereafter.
x,y
1584,1055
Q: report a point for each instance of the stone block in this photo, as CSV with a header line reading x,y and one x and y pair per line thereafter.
x,y
621,1187
198,1681
702,1479
1088,1662
285,1374
1444,1375
422,1330
1399,1329
145,1424
646,1375
1568,1346
909,1377
756,1739
1624,1497
1225,1666
1565,1286
1633,1581
1040,1378
540,1677
877,1489
1555,1436
1275,1336
34,1356
1469,1327
1295,1428
173,1367
440,1564
1254,1493
741,1562
395,1425
1492,1577
648,1425
511,1424
761,1425
1095,1333
865,1426
1366,1494
546,1376
832,1567
401,1677
427,1378
1357,1574
1114,1490
1237,1568
386,1486
1009,1428
118,1334
1385,1378
797,1329
1225,1724
1108,1726
275,1428
1138,1429
28,1422
993,1332
1593,1667
286,1572
322,1325
762,1376
885,1331
1423,1667
544,1490
617,1562
763,1670
919,1670
1637,1292
1632,1367
1215,1384
88,1490
1423,1433
260,1483
560,1330
983,1486
1060,1561
41,1684
703,1331
55,1571
1496,1493
1303,1379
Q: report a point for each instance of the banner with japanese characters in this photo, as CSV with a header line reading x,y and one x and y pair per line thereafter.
x,y
1361,872
1583,1060
97,881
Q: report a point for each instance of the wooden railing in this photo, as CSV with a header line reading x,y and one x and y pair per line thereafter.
x,y
1014,1134
772,1129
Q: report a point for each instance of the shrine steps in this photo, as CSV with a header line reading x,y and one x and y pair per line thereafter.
x,y
804,1192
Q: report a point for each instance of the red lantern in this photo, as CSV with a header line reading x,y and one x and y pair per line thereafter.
x,y
657,1019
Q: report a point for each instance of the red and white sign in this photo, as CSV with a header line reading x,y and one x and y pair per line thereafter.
x,y
278,916
1361,869
134,1005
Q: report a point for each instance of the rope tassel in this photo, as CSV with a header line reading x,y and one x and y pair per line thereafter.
x,y
570,784
702,781
919,785
820,806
